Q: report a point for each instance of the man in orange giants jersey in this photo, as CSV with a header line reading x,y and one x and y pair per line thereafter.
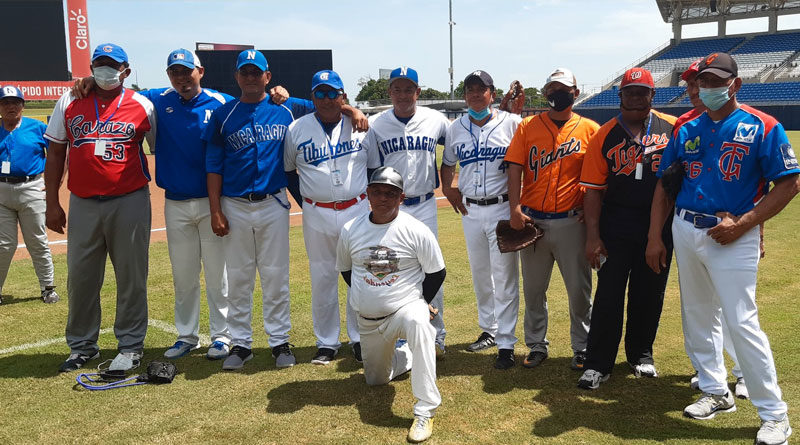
x,y
547,151
619,173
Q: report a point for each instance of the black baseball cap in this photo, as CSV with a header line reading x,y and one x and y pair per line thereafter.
x,y
482,76
721,65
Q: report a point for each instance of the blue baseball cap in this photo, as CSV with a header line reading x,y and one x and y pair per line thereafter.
x,y
11,91
183,57
110,50
404,72
252,57
327,77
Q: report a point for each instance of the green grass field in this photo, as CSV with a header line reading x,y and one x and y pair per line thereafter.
x,y
314,404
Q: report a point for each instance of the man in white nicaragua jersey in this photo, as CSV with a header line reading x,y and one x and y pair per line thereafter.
x,y
405,138
394,266
325,151
478,142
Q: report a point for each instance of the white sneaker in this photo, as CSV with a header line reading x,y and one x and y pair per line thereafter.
x,y
741,389
774,432
708,405
645,370
694,382
421,429
125,361
218,350
179,349
592,379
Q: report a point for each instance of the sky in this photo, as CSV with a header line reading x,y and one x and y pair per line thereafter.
x,y
510,39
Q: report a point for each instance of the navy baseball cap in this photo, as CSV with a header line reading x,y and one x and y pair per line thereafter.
x,y
110,50
481,76
183,57
404,72
327,77
11,91
252,57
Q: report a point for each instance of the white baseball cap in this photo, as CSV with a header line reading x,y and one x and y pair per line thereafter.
x,y
562,76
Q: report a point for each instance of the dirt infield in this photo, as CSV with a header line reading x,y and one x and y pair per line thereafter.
x,y
58,242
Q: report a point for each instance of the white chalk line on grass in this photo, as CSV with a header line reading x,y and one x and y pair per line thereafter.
x,y
161,229
158,324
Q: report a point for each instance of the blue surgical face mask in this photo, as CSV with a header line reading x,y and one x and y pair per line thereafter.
x,y
479,115
715,98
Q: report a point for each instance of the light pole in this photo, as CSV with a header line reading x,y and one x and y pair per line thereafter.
x,y
451,48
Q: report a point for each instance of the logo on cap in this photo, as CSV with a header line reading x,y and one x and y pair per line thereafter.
x,y
251,55
403,70
477,73
108,49
323,76
179,56
8,91
636,75
711,58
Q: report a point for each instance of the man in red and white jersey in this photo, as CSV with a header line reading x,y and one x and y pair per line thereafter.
x,y
109,208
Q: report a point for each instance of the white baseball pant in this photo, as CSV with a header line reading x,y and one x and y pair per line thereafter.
x,y
495,275
716,281
426,212
383,362
258,241
24,203
321,227
190,240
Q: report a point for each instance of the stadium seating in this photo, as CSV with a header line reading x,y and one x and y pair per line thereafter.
x,y
667,94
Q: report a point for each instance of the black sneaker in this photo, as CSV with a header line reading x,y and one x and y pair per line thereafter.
x,y
284,358
237,358
505,359
485,341
323,356
357,352
578,360
534,359
76,361
49,295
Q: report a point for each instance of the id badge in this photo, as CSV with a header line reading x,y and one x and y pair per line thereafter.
x,y
5,168
476,178
639,170
337,177
99,147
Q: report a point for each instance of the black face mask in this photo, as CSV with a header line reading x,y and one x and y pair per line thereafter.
x,y
560,100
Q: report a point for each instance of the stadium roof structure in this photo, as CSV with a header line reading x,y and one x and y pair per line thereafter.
x,y
701,11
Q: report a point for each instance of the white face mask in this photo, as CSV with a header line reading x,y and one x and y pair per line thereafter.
x,y
106,77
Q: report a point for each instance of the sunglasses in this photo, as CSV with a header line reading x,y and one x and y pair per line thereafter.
x,y
330,94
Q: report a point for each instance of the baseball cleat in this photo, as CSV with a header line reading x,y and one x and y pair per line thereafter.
x,y
238,357
421,429
485,341
708,405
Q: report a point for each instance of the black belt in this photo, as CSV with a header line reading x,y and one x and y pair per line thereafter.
x,y
374,319
488,201
418,199
699,220
544,215
18,179
255,197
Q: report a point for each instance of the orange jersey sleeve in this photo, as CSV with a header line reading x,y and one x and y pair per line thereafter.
x,y
594,174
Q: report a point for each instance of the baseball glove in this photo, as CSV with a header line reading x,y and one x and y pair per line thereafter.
x,y
514,99
510,240
672,178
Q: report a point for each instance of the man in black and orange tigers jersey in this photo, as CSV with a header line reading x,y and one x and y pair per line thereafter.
x,y
619,173
547,151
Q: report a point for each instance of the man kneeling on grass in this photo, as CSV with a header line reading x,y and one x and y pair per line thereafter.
x,y
394,267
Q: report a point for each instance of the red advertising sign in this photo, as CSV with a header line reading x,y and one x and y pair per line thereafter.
x,y
41,90
79,50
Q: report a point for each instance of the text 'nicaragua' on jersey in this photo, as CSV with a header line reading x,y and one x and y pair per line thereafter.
x,y
480,153
388,262
179,150
408,148
122,123
729,162
245,144
551,158
330,168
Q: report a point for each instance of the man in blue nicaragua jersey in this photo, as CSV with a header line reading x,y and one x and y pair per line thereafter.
x,y
22,152
729,153
249,206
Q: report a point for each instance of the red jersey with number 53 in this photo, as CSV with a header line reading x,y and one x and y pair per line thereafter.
x,y
117,167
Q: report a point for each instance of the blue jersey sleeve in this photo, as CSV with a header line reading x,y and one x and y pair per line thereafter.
x,y
299,107
152,94
776,156
215,145
669,155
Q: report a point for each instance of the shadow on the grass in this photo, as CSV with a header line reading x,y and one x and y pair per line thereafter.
x,y
628,408
374,403
10,299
